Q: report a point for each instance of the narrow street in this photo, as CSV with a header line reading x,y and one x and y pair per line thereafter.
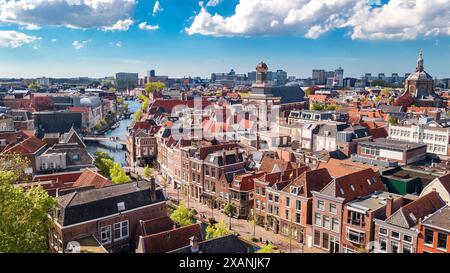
x,y
242,226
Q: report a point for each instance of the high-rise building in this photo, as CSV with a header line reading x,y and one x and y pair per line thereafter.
x,y
126,80
280,77
319,76
151,73
339,77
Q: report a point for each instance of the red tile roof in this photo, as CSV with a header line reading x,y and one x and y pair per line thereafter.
x,y
308,181
170,240
157,225
338,168
91,178
268,164
355,185
28,146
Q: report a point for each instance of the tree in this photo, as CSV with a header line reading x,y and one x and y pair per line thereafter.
x,y
229,210
151,87
103,162
183,215
33,86
378,83
252,219
317,107
267,249
118,175
385,92
218,230
137,115
25,221
392,120
112,90
148,171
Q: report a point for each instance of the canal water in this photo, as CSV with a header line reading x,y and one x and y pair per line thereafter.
x,y
113,149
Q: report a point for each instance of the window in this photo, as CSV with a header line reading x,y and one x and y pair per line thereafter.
x,y
394,247
317,219
333,208
263,191
442,241
326,222
288,202
335,225
407,249
429,236
270,197
277,199
383,231
325,240
407,238
317,238
287,214
395,235
120,206
320,204
121,230
105,235
382,244
298,205
257,190
257,203
297,218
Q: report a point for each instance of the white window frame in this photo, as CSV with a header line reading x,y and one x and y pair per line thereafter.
x,y
121,224
105,229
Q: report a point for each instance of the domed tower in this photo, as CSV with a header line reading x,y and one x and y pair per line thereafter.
x,y
420,84
261,72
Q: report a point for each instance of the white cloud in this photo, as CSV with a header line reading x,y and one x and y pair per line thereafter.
x,y
365,19
80,44
14,39
54,40
119,44
157,8
121,25
213,3
144,26
79,14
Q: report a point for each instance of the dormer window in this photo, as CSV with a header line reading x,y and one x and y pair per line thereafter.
x,y
352,187
121,206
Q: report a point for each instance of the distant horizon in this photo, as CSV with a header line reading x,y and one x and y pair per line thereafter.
x,y
195,38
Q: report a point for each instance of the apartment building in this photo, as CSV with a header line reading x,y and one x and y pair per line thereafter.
x,y
435,232
437,138
399,232
329,205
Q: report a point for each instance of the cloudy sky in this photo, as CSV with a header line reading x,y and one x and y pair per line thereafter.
x,y
97,38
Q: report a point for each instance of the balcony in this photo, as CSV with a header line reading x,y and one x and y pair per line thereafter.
x,y
356,237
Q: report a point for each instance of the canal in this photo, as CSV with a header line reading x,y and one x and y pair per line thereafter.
x,y
114,150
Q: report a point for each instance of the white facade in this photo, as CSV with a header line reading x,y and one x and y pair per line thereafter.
x,y
437,139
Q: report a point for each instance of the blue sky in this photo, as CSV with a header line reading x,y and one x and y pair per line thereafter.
x,y
56,39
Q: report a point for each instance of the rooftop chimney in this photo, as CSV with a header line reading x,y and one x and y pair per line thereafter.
x,y
389,206
194,244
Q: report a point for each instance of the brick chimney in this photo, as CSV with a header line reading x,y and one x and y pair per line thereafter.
x,y
389,206
194,244
153,188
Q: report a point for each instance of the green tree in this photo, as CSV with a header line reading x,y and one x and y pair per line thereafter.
x,y
137,115
218,230
183,215
385,92
112,90
392,120
151,87
33,86
118,175
103,162
148,171
317,107
229,210
378,83
267,249
25,221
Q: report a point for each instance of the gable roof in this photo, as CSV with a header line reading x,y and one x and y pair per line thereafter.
x,y
338,168
73,137
308,181
409,216
90,178
354,185
29,146
270,165
87,204
169,240
226,244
